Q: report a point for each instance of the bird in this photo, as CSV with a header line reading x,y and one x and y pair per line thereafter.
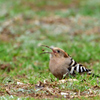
x,y
62,65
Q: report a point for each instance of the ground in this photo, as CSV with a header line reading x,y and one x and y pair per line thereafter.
x,y
25,25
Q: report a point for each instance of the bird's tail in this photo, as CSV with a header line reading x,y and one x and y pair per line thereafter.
x,y
78,68
93,75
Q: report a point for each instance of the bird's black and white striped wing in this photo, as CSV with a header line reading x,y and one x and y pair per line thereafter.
x,y
75,67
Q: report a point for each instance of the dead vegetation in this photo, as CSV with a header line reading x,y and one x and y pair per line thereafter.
x,y
46,89
6,67
62,25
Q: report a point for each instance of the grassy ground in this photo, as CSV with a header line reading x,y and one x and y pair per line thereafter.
x,y
71,25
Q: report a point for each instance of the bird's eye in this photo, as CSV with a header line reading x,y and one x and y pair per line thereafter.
x,y
58,51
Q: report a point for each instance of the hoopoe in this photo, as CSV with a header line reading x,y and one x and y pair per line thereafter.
x,y
61,64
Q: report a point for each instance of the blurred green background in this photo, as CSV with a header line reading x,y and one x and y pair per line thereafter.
x,y
73,25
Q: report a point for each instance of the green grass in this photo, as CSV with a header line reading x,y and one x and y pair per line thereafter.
x,y
72,28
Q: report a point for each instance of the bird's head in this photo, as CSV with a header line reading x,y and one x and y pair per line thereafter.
x,y
56,52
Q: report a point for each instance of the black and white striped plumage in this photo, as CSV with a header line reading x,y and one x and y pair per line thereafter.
x,y
75,67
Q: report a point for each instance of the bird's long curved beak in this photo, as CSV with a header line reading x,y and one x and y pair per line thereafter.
x,y
49,48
